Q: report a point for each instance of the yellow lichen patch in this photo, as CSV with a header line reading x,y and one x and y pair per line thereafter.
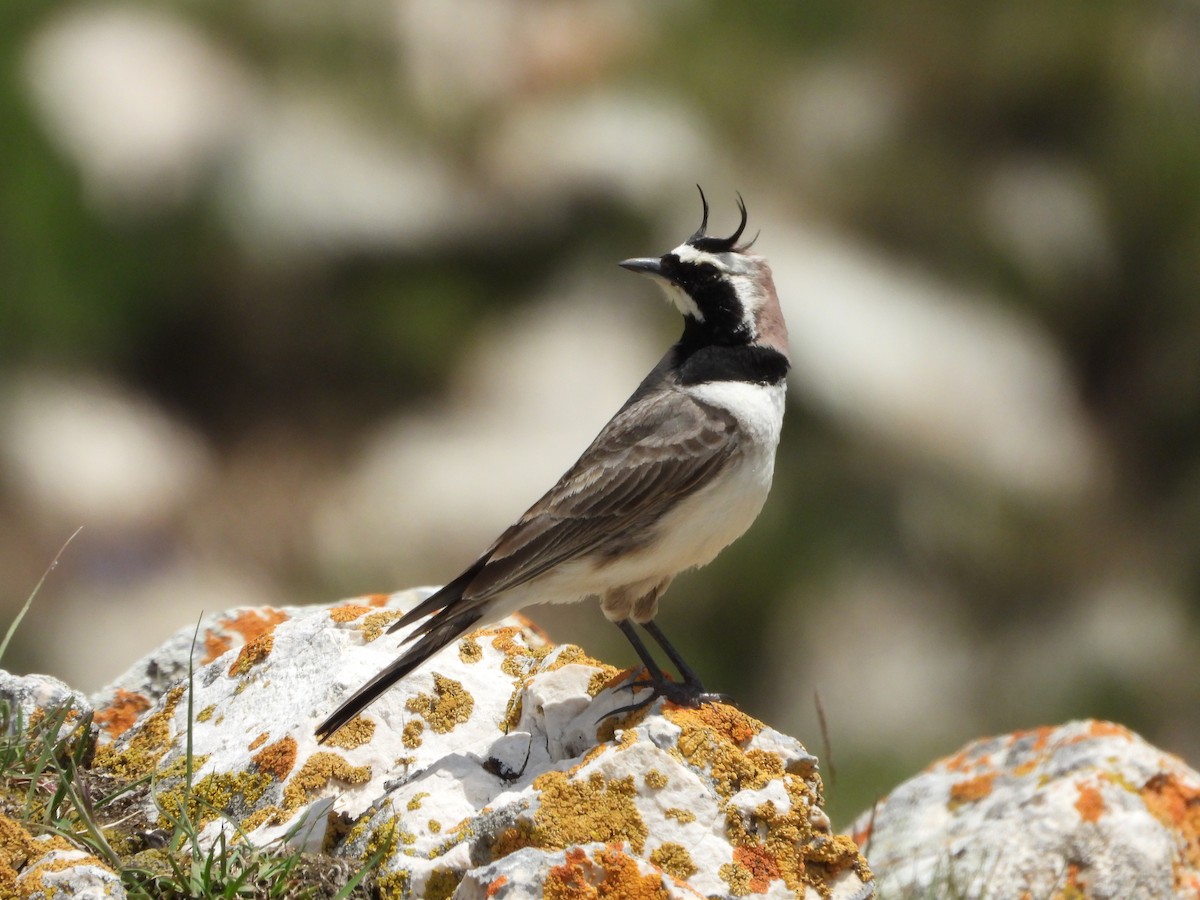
x,y
214,794
1177,806
125,708
207,713
353,734
682,816
728,721
655,779
394,885
17,849
377,623
277,759
317,771
469,650
511,839
674,860
730,769
827,857
348,613
259,741
434,826
971,790
268,815
410,737
142,754
252,654
737,877
415,803
449,706
617,878
578,812
605,677
442,883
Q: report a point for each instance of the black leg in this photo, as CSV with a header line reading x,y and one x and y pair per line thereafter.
x,y
689,676
647,660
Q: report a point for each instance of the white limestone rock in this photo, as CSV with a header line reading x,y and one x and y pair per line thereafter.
x,y
68,875
1086,809
496,756
30,696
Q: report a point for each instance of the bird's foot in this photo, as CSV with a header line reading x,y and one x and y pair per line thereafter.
x,y
688,694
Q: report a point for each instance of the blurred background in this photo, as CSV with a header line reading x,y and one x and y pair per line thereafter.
x,y
301,300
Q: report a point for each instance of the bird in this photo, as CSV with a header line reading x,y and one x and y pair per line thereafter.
x,y
680,472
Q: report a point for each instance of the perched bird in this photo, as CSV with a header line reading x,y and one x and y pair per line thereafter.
x,y
680,472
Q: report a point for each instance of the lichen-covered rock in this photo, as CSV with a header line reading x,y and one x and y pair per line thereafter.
x,y
68,875
496,756
119,703
1084,810
29,698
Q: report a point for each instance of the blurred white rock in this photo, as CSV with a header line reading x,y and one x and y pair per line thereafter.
x,y
139,99
438,485
1048,216
85,451
639,147
929,367
309,175
458,56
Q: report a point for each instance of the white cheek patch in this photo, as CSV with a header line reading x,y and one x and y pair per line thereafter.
x,y
680,300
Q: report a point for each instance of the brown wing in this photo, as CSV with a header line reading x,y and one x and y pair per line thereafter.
x,y
652,454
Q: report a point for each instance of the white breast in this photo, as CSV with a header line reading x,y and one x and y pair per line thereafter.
x,y
702,526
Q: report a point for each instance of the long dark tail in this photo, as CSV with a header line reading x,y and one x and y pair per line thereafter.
x,y
437,633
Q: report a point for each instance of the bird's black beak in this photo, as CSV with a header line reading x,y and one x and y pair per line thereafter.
x,y
649,266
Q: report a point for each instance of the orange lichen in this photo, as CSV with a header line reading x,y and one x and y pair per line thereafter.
x,y
613,875
1100,728
495,885
215,644
277,759
448,707
1090,804
655,779
1176,805
252,654
971,790
141,755
250,624
259,741
580,812
116,718
317,771
760,864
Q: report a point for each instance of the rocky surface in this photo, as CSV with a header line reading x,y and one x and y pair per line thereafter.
x,y
496,767
1083,810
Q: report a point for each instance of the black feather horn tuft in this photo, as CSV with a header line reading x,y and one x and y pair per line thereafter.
x,y
702,241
